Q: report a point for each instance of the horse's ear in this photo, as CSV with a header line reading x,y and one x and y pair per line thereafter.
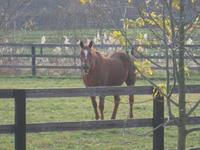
x,y
90,44
81,44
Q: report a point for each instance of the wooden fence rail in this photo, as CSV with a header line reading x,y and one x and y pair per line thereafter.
x,y
90,125
91,91
20,127
53,45
33,66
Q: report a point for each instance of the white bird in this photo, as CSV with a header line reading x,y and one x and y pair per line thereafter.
x,y
98,36
78,42
145,36
95,39
169,41
43,40
111,40
189,42
5,40
66,41
57,50
105,38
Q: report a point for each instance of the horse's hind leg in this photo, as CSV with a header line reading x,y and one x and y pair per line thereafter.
x,y
131,101
116,105
101,106
131,81
94,104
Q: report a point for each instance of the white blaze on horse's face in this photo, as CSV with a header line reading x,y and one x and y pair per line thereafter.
x,y
85,60
86,54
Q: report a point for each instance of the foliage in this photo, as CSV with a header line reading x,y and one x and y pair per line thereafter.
x,y
187,71
144,67
155,19
160,89
117,35
83,2
176,4
130,2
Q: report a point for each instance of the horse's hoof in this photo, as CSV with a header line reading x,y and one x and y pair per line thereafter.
x,y
113,118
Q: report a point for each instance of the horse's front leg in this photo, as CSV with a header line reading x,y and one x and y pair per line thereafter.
x,y
94,104
116,105
101,106
131,101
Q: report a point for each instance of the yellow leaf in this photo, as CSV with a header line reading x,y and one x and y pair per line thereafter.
x,y
161,88
148,2
150,71
144,67
194,1
153,14
130,2
83,2
187,71
117,35
147,62
140,49
140,22
176,4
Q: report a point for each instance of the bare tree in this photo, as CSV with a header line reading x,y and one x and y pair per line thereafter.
x,y
175,20
9,10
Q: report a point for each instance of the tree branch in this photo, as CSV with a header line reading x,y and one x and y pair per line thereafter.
x,y
193,108
190,24
167,63
154,33
192,130
146,78
169,8
191,56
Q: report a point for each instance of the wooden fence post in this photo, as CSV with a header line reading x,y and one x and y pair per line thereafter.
x,y
158,120
33,61
20,119
74,53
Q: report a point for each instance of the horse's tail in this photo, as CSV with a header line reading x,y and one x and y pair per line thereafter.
x,y
131,72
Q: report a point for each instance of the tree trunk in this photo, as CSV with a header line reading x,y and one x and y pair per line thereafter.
x,y
181,83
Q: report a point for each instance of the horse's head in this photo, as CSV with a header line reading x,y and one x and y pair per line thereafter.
x,y
86,57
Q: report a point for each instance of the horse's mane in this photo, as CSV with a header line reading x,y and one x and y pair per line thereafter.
x,y
98,53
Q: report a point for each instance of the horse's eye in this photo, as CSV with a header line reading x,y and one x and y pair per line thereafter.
x,y
80,57
89,54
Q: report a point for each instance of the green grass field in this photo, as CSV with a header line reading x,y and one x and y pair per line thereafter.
x,y
55,36
76,109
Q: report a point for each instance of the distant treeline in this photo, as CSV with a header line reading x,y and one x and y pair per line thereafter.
x,y
68,14
62,14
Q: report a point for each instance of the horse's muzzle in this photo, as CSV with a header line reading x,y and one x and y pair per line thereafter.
x,y
85,68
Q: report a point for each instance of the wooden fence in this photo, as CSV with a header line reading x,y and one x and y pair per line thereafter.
x,y
33,65
20,127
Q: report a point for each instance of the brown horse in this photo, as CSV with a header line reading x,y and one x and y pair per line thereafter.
x,y
111,70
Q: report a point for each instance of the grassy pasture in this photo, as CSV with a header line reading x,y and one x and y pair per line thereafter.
x,y
76,109
55,36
